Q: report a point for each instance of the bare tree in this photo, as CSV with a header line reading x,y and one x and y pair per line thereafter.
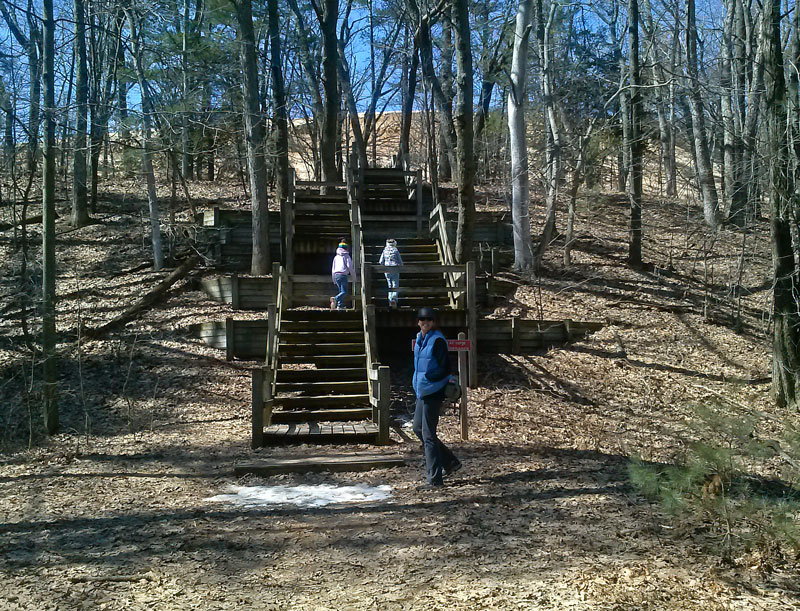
x,y
705,171
635,133
517,129
278,104
147,144
80,209
544,37
463,119
254,135
50,398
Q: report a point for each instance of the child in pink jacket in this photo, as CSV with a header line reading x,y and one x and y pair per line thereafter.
x,y
341,270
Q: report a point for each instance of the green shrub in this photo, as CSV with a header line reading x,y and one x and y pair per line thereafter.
x,y
719,487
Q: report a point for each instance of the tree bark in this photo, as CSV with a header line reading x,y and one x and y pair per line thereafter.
x,y
409,91
328,18
520,196
705,170
544,32
446,154
261,263
635,142
147,156
279,106
463,119
80,210
783,208
50,398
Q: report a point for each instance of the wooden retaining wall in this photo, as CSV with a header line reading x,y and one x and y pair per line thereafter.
x,y
518,336
247,339
241,339
242,292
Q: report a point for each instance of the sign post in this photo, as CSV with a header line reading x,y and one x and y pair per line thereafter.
x,y
461,345
462,380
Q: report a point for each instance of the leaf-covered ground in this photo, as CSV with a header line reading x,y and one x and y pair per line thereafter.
x,y
112,512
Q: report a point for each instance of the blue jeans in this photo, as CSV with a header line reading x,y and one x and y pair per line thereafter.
x,y
341,282
437,455
393,280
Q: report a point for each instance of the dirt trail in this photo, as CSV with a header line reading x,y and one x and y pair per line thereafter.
x,y
541,517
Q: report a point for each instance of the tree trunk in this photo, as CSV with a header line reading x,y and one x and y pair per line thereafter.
x,y
330,67
463,119
664,124
80,211
147,156
279,108
520,197
352,110
254,134
544,32
102,105
783,206
50,398
705,170
186,164
635,142
425,45
446,154
407,109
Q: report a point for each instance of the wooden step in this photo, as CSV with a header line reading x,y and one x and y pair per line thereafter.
x,y
316,464
321,360
316,315
340,432
348,325
322,415
327,349
332,336
314,375
320,206
322,401
345,387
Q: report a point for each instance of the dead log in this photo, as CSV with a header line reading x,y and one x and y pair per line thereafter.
x,y
147,301
28,221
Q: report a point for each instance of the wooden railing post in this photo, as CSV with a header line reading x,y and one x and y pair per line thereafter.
x,y
235,292
367,284
290,201
384,398
271,319
514,337
462,375
229,339
257,438
472,325
419,203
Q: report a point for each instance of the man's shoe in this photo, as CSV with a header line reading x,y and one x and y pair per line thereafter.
x,y
450,469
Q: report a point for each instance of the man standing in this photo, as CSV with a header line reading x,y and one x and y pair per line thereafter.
x,y
431,372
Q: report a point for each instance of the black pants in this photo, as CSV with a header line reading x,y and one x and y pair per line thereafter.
x,y
437,455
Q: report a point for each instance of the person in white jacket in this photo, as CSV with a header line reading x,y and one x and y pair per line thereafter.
x,y
391,257
341,270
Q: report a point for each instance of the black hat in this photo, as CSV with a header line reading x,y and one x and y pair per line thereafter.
x,y
426,312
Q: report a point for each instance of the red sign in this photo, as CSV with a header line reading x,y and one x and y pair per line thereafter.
x,y
453,345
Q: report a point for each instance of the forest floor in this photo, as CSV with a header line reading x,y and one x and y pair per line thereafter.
x,y
113,512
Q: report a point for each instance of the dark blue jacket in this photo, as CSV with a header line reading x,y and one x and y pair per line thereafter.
x,y
430,373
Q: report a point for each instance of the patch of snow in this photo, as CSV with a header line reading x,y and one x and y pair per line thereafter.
x,y
302,496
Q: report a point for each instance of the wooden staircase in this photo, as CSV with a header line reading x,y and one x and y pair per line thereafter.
x,y
321,377
417,288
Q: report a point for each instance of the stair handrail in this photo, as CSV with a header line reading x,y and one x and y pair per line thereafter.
x,y
378,376
264,377
289,220
438,228
356,234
